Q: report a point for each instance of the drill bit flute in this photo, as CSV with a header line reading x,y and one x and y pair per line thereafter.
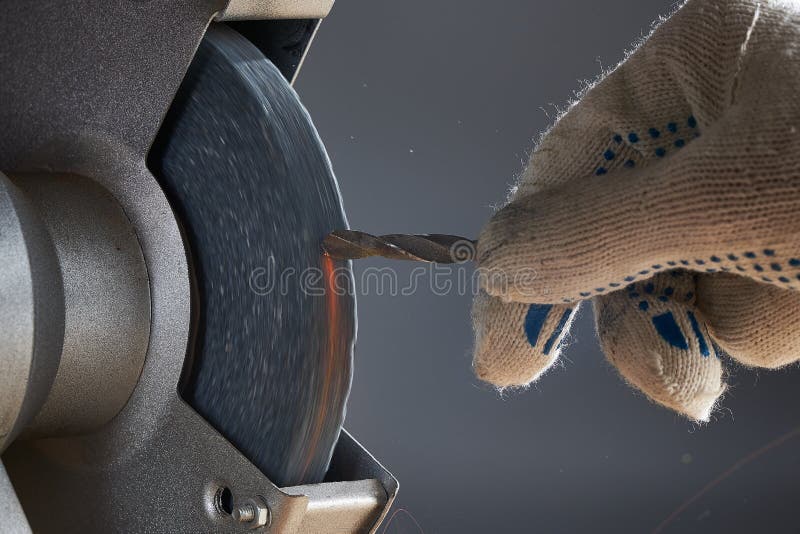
x,y
436,248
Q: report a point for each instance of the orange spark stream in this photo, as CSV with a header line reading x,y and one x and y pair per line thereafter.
x,y
329,357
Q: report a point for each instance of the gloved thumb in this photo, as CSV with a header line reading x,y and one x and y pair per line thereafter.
x,y
681,212
665,163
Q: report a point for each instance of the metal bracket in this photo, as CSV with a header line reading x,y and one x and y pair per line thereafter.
x,y
185,477
275,9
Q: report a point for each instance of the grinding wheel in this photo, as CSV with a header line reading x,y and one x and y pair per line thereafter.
x,y
252,187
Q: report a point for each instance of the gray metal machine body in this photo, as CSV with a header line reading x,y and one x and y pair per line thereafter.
x,y
95,304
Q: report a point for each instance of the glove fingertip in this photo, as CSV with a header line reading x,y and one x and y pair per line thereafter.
x,y
658,342
516,343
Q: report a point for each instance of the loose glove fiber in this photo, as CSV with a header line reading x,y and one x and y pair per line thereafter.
x,y
669,195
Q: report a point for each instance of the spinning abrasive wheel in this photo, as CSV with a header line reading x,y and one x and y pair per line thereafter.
x,y
253,189
149,378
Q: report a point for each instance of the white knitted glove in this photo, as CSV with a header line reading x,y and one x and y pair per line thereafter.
x,y
670,196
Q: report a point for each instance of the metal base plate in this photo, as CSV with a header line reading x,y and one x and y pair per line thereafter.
x,y
251,184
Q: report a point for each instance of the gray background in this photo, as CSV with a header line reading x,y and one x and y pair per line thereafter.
x,y
428,109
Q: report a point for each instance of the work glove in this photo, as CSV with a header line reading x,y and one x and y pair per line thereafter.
x,y
669,196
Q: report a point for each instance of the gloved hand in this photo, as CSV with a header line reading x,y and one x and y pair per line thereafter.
x,y
669,195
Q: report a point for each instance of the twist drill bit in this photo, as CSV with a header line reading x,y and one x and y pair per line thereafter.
x,y
437,248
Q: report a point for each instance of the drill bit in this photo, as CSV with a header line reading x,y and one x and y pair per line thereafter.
x,y
436,248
